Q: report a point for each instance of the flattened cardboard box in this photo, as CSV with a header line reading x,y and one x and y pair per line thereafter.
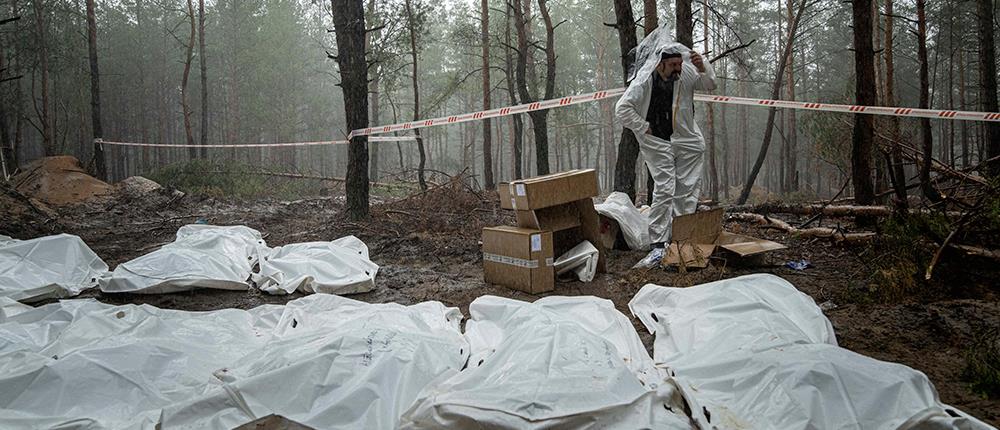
x,y
519,258
548,190
695,237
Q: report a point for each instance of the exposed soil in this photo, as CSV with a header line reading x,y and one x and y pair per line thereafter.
x,y
428,249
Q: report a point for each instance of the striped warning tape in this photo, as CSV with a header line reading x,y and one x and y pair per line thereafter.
x,y
602,95
614,93
259,145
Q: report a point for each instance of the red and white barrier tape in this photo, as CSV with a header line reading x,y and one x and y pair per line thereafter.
x,y
259,145
601,95
607,94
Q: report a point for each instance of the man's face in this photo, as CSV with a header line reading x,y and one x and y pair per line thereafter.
x,y
671,67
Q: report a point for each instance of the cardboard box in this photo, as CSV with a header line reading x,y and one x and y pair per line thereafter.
x,y
695,237
570,224
519,258
549,190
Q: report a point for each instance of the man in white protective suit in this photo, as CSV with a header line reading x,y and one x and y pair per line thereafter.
x,y
658,106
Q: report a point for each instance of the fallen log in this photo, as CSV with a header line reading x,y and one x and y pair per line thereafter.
x,y
827,210
836,235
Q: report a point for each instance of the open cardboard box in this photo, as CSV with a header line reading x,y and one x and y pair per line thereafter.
x,y
695,237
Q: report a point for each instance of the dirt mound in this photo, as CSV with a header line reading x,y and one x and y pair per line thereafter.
x,y
136,186
59,181
24,218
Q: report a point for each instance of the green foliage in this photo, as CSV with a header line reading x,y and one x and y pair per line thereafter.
x,y
982,363
902,256
231,180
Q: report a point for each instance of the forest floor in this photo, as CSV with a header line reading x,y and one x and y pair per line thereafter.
x,y
428,249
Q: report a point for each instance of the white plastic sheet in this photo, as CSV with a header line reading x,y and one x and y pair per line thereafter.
x,y
759,354
634,224
202,256
561,362
47,267
338,267
324,361
581,259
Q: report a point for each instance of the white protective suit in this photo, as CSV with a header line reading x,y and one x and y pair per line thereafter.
x,y
676,165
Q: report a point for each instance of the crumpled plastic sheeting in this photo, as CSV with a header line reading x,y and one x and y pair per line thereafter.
x,y
581,259
338,363
759,354
10,307
47,267
633,223
338,267
202,256
561,362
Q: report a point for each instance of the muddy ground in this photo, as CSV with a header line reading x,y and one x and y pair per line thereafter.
x,y
428,249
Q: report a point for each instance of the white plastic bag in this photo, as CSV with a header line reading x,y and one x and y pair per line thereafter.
x,y
633,222
47,267
202,256
338,267
757,353
561,362
581,259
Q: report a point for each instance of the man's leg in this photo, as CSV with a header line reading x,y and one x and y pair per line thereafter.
x,y
660,160
689,158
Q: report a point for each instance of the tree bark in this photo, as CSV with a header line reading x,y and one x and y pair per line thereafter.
x,y
791,133
864,88
349,26
988,79
539,123
895,168
926,138
203,63
628,146
685,23
416,94
44,116
487,132
517,127
775,93
713,171
95,93
192,151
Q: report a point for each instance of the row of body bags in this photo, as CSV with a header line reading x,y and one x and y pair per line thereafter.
x,y
750,352
201,256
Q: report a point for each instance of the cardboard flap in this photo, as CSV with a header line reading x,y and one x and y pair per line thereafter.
x,y
697,228
693,255
555,218
746,245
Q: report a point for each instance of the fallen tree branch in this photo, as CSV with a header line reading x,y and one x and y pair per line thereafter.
x,y
837,235
827,210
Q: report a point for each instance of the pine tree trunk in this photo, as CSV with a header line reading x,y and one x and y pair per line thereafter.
x,y
791,153
862,137
517,126
628,146
896,172
988,80
964,128
487,132
416,95
685,23
203,63
95,92
927,139
186,109
44,116
349,26
713,172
